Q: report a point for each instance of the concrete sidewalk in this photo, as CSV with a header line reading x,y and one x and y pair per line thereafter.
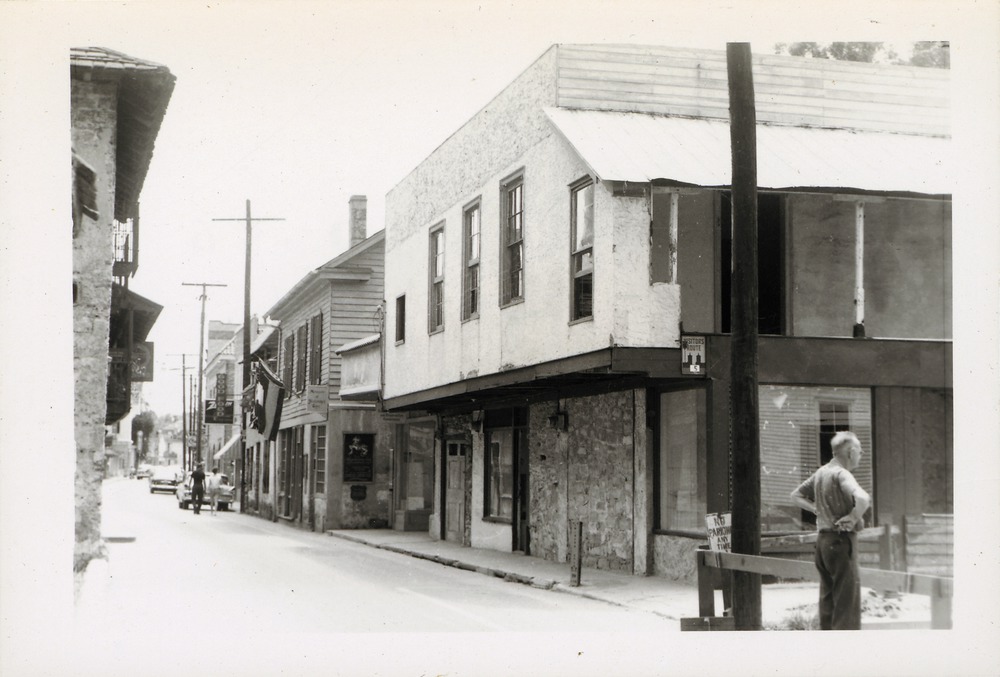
x,y
653,594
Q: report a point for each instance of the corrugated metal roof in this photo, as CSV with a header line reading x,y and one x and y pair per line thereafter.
x,y
360,343
640,147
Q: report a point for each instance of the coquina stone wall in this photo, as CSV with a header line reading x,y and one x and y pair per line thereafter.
x,y
94,112
586,475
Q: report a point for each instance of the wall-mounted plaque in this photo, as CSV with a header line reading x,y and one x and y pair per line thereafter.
x,y
359,457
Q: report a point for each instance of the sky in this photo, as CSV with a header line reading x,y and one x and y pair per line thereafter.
x,y
297,106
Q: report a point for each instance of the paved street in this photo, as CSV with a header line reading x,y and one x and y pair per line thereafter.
x,y
205,583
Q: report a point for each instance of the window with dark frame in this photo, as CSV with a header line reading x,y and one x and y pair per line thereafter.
x,y
470,258
302,339
435,303
401,318
582,249
316,354
512,241
319,459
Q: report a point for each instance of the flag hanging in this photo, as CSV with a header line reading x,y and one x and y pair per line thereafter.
x,y
269,395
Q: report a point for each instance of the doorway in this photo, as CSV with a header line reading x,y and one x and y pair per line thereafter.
x,y
455,495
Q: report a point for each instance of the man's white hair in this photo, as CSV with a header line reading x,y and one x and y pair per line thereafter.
x,y
842,438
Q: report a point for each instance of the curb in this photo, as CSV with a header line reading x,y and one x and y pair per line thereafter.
x,y
508,576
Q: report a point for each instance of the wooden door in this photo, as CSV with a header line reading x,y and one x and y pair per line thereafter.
x,y
455,493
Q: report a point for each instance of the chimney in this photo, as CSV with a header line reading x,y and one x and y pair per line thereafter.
x,y
358,220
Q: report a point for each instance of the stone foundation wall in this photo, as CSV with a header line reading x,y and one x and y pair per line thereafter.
x,y
674,558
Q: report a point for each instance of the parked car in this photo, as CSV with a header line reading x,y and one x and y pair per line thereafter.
x,y
226,496
144,472
165,479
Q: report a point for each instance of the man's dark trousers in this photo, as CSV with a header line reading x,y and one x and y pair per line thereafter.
x,y
197,493
839,581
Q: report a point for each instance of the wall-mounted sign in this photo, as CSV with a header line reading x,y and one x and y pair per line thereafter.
x,y
359,457
216,414
318,399
719,526
693,356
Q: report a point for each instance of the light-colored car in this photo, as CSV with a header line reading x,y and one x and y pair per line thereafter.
x,y
144,472
226,494
165,479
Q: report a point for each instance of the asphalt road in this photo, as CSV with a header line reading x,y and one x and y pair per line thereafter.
x,y
255,592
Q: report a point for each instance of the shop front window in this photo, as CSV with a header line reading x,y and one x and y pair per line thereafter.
x,y
796,426
682,480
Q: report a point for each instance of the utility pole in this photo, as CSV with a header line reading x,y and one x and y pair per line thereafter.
x,y
184,421
201,359
247,339
743,371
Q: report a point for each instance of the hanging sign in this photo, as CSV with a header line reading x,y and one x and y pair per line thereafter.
x,y
218,414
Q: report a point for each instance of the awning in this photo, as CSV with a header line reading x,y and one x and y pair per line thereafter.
x,y
641,148
227,446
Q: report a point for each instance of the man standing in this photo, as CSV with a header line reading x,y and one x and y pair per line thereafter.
x,y
198,487
839,503
214,484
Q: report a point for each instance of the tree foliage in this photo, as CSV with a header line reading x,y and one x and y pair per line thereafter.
x,y
928,54
145,422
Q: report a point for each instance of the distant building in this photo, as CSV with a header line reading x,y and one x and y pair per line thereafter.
x,y
117,105
558,302
329,466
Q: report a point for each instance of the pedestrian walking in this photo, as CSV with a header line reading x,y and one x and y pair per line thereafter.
x,y
214,486
839,503
198,487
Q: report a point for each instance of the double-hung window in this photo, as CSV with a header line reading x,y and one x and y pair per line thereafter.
x,y
470,279
319,459
435,305
401,318
512,240
582,249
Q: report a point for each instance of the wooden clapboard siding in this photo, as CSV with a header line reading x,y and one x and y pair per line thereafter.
x,y
913,457
352,307
300,313
789,90
929,544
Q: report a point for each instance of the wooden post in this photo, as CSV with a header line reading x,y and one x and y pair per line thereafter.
x,y
575,552
743,393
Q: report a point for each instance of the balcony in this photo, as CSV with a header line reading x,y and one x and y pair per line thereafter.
x,y
126,248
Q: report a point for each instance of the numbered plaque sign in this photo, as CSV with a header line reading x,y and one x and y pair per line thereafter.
x,y
693,355
359,457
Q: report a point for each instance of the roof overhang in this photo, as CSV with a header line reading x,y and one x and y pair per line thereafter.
x,y
145,312
645,148
610,367
144,92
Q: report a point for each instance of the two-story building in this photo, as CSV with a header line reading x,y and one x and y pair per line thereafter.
x,y
116,107
330,464
558,300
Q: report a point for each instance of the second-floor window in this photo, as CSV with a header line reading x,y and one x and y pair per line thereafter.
x,y
316,356
435,305
582,249
470,279
512,241
401,318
